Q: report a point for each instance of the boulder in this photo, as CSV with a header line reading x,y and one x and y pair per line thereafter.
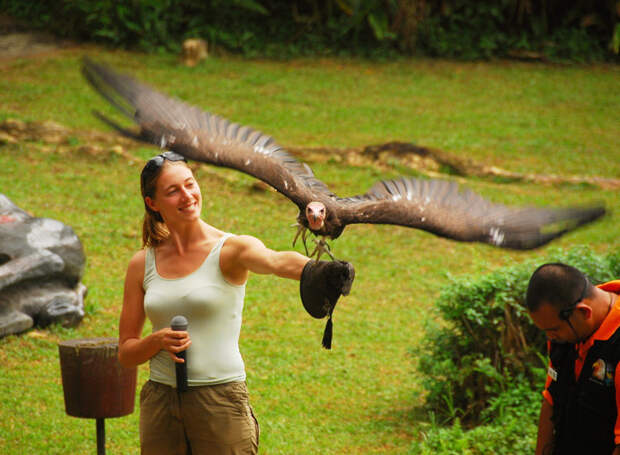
x,y
41,264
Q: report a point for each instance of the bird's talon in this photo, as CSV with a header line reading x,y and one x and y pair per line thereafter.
x,y
321,247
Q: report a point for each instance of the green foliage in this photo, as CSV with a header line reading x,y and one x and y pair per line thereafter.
x,y
487,346
574,44
513,433
485,29
460,29
153,25
469,30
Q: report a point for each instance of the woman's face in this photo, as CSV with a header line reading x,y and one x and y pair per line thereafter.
x,y
177,195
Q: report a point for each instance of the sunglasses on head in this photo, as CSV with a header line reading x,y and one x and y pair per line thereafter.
x,y
157,161
565,313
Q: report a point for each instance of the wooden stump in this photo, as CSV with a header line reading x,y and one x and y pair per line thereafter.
x,y
95,384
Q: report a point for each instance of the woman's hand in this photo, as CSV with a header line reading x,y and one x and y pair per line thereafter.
x,y
174,341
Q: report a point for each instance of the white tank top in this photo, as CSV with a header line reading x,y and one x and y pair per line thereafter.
x,y
213,308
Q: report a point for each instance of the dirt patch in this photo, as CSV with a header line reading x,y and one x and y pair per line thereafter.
x,y
16,40
26,44
437,163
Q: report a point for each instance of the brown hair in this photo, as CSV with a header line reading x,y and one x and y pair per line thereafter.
x,y
154,230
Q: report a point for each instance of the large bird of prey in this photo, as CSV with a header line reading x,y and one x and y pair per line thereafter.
x,y
435,206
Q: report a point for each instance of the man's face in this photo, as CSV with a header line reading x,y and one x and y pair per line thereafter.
x,y
547,319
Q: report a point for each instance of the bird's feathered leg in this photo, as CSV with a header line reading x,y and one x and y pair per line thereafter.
x,y
321,247
301,229
304,237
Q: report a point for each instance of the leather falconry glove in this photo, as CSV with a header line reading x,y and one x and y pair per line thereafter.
x,y
321,285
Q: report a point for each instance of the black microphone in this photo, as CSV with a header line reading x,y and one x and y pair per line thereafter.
x,y
179,323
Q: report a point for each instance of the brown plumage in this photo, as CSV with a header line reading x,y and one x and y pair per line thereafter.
x,y
432,205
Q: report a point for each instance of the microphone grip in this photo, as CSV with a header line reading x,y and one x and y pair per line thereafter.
x,y
180,323
181,371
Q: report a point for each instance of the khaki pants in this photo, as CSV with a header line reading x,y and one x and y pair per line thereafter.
x,y
205,420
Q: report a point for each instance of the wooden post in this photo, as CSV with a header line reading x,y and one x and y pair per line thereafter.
x,y
101,436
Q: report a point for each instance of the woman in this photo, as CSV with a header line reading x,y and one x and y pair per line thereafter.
x,y
191,268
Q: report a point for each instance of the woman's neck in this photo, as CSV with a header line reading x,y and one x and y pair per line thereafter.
x,y
188,236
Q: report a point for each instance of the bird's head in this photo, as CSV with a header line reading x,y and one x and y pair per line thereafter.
x,y
315,214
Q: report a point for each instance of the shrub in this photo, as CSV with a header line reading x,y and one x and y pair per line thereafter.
x,y
572,30
484,345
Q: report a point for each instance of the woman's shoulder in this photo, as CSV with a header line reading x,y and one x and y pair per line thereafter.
x,y
136,263
240,241
139,256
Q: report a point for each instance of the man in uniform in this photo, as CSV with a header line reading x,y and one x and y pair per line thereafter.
x,y
579,413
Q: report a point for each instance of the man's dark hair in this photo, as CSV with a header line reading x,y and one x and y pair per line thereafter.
x,y
557,284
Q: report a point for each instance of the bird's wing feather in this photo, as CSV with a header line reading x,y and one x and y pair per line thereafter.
x,y
170,123
439,207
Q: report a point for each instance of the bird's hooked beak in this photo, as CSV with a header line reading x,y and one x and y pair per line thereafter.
x,y
315,214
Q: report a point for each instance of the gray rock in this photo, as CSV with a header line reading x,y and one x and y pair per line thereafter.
x,y
41,265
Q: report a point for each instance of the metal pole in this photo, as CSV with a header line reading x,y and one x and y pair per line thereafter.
x,y
100,436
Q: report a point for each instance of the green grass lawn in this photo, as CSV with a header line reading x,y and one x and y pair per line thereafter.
x,y
364,395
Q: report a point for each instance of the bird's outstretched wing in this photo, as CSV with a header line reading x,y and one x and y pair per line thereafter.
x,y
432,205
198,135
439,207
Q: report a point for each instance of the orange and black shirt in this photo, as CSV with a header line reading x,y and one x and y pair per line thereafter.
x,y
583,386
